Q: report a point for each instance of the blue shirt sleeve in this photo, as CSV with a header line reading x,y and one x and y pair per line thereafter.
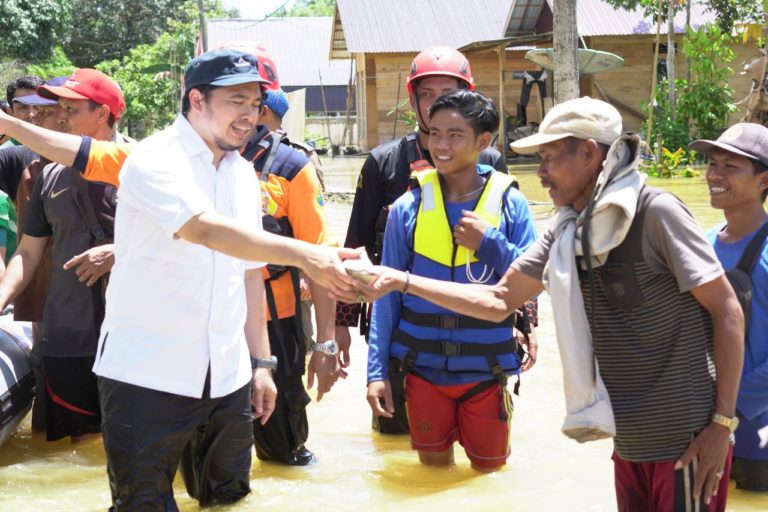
x,y
386,310
500,247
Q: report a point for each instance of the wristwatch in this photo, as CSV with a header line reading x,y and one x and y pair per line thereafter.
x,y
270,363
329,348
730,423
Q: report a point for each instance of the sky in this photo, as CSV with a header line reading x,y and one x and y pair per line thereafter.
x,y
255,9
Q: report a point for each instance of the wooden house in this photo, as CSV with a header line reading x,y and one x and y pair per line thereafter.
x,y
383,37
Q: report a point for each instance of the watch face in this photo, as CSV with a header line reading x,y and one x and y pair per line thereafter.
x,y
332,348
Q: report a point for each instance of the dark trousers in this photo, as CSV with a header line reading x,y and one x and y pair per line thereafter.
x,y
146,432
287,428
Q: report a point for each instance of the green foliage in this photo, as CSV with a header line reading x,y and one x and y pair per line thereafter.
x,y
673,164
405,114
150,74
30,28
728,11
303,8
9,70
703,105
671,130
708,100
318,139
58,64
109,29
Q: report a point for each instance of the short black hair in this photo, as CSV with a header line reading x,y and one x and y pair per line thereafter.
x,y
23,82
206,91
4,106
478,110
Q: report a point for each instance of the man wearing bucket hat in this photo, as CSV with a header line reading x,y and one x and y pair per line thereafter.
x,y
639,295
183,357
737,178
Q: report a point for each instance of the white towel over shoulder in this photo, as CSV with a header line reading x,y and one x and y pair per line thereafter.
x,y
589,413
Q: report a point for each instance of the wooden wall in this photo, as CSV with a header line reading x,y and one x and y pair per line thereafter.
x,y
379,75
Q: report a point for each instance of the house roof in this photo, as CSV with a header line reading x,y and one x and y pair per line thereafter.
x,y
394,26
598,18
299,46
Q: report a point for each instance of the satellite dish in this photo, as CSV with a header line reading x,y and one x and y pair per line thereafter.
x,y
590,61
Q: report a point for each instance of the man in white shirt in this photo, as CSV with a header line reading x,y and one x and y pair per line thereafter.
x,y
185,309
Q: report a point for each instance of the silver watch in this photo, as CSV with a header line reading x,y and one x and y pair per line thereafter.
x,y
269,363
329,348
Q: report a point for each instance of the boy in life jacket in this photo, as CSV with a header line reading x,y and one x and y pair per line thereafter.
x,y
385,177
463,223
737,177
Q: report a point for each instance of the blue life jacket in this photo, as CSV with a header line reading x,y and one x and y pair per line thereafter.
x,y
435,337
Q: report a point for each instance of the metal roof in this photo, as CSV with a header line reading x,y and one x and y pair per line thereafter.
x,y
598,18
299,46
393,26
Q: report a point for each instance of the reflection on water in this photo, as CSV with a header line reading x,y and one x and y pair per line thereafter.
x,y
359,470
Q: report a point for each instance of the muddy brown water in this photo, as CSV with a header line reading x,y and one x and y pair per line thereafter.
x,y
360,470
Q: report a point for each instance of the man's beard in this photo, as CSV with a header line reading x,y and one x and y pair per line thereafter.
x,y
224,145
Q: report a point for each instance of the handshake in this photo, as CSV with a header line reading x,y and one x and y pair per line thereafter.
x,y
349,274
364,272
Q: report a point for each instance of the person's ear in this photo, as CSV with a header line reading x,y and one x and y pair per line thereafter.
x,y
196,100
482,141
590,151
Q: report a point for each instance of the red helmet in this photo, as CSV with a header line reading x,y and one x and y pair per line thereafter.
x,y
267,66
441,61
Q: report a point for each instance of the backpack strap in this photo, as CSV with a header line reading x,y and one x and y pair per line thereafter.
x,y
274,143
749,258
87,212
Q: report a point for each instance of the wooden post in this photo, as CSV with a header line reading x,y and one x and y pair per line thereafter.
x,y
566,61
502,115
649,128
203,27
325,111
397,106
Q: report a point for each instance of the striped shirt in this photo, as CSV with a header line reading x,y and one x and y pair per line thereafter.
x,y
653,341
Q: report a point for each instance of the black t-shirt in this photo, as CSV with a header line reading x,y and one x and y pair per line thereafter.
x,y
13,161
73,312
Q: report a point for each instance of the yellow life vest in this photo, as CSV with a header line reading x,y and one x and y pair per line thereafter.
x,y
433,237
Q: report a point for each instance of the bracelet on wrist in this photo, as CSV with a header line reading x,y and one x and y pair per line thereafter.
x,y
407,282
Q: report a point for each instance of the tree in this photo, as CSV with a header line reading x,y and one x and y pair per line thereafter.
x,y
566,70
150,74
303,8
728,12
31,28
108,29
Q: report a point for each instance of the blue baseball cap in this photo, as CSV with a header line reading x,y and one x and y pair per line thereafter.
x,y
277,101
36,99
222,68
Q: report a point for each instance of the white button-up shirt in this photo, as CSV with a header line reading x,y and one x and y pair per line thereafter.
x,y
173,307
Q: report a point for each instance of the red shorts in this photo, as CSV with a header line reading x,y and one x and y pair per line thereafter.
x,y
642,486
480,423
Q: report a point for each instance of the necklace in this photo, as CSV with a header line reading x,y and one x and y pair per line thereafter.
x,y
468,194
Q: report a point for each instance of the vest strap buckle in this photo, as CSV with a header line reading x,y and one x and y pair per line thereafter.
x,y
450,348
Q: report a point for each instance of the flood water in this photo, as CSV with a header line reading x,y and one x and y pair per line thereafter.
x,y
360,470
